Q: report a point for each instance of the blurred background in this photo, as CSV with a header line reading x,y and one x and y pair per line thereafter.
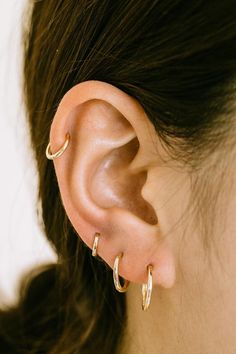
x,y
22,244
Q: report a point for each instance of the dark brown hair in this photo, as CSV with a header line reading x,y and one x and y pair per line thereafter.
x,y
178,58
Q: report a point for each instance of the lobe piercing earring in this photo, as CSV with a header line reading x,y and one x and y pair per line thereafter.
x,y
118,286
95,244
147,289
58,153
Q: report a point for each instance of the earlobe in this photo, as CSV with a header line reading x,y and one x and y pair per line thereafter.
x,y
101,186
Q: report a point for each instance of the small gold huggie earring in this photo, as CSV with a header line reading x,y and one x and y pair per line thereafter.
x,y
58,153
147,289
118,286
95,244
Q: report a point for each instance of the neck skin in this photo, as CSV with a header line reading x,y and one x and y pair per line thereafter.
x,y
181,319
198,314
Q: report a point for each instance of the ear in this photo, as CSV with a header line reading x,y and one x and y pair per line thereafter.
x,y
103,178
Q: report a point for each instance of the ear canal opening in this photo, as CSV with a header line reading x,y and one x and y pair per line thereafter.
x,y
116,186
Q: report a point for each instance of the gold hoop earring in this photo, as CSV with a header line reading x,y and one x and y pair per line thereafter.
x,y
117,283
58,153
147,289
95,244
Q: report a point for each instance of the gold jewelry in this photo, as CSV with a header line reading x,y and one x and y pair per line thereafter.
x,y
147,289
58,153
95,244
118,286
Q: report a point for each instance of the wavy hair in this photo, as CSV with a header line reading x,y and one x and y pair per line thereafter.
x,y
178,59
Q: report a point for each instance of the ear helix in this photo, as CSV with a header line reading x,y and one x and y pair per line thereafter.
x,y
147,287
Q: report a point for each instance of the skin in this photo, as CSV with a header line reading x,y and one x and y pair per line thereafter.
x,y
117,178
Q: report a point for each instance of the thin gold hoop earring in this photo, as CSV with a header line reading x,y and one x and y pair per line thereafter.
x,y
117,283
58,153
147,289
95,244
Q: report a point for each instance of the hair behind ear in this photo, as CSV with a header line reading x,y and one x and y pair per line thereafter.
x,y
48,312
181,78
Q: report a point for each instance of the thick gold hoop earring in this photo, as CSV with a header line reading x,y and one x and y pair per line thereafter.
x,y
58,153
95,244
147,289
117,283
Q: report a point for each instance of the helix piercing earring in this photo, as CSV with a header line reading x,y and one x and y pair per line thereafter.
x,y
118,286
95,244
147,289
58,153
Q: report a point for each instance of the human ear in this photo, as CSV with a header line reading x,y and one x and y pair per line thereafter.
x,y
103,178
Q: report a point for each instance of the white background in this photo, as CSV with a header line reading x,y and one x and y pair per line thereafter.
x,y
22,244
